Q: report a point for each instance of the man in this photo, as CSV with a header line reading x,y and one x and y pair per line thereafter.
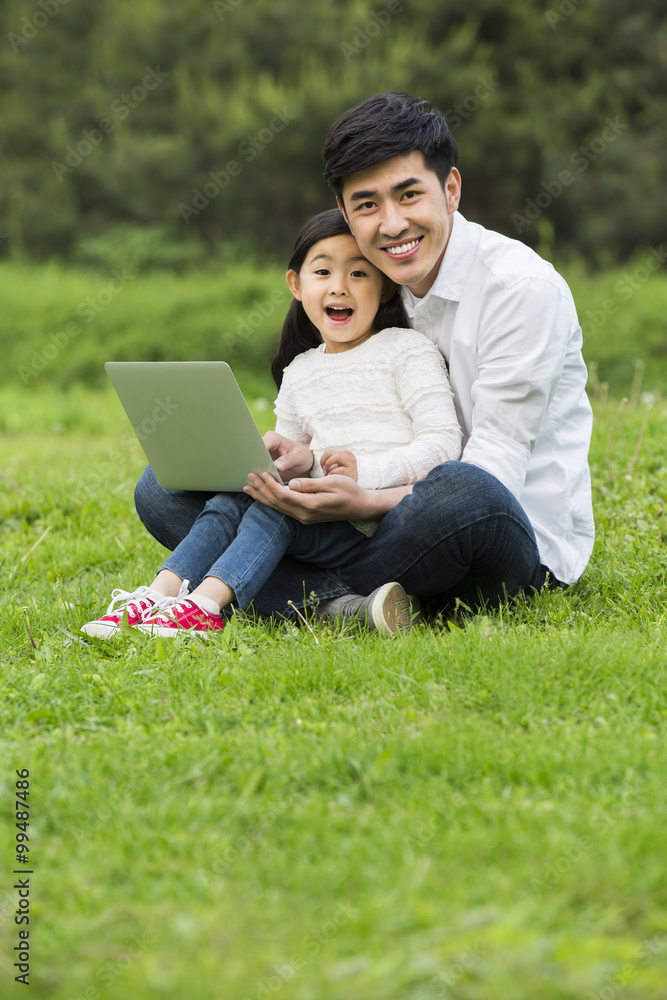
x,y
515,512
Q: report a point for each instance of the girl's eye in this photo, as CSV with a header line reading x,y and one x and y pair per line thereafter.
x,y
321,271
358,274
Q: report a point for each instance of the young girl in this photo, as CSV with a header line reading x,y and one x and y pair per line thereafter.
x,y
375,406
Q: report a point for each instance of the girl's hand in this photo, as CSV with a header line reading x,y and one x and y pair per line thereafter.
x,y
289,457
339,462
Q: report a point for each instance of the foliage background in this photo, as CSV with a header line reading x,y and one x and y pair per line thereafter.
x,y
548,74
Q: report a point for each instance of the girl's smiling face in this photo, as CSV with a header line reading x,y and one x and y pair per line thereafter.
x,y
340,292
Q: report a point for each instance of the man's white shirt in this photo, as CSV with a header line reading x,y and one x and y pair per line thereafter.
x,y
507,326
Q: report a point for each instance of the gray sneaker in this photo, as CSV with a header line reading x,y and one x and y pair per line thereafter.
x,y
387,610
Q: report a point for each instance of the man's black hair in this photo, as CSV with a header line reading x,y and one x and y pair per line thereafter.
x,y
386,125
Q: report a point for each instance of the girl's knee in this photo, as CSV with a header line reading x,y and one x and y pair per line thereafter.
x,y
228,503
262,512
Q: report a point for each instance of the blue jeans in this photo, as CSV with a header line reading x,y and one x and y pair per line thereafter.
x,y
459,536
241,541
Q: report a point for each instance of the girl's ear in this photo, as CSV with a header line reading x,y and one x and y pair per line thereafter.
x,y
389,289
293,283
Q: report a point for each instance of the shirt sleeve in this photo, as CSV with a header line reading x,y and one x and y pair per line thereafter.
x,y
288,422
425,394
521,352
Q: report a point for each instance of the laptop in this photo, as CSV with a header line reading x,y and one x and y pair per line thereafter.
x,y
193,423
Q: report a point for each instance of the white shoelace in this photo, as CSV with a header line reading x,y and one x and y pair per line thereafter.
x,y
168,610
141,597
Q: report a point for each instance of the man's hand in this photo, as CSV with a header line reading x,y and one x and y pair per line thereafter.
x,y
339,461
333,498
289,457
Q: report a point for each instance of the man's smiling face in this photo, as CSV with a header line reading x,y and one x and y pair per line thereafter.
x,y
401,217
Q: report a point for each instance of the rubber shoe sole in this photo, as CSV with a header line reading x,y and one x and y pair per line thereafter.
x,y
390,611
165,632
100,630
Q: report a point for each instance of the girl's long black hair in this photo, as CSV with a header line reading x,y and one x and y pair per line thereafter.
x,y
298,333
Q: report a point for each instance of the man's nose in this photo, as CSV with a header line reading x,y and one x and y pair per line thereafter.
x,y
393,221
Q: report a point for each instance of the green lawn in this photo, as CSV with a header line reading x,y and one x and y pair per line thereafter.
x,y
474,811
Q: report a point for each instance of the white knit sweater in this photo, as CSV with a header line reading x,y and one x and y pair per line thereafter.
x,y
387,401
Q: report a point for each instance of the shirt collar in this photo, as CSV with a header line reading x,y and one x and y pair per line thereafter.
x,y
456,263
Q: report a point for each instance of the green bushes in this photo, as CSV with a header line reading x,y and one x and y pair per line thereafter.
x,y
622,315
62,324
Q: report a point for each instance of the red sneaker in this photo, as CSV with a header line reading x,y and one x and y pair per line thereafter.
x,y
181,616
133,605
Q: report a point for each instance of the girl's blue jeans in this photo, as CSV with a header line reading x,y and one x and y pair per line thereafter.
x,y
241,542
459,536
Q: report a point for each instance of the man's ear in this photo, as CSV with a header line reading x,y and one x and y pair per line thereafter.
x,y
341,206
452,190
388,289
293,283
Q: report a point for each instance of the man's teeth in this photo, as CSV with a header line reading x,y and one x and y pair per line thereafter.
x,y
404,247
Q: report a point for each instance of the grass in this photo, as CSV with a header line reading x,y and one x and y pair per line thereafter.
x,y
474,811
61,323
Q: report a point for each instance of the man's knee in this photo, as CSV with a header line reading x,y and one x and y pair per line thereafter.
x,y
143,491
460,486
459,476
